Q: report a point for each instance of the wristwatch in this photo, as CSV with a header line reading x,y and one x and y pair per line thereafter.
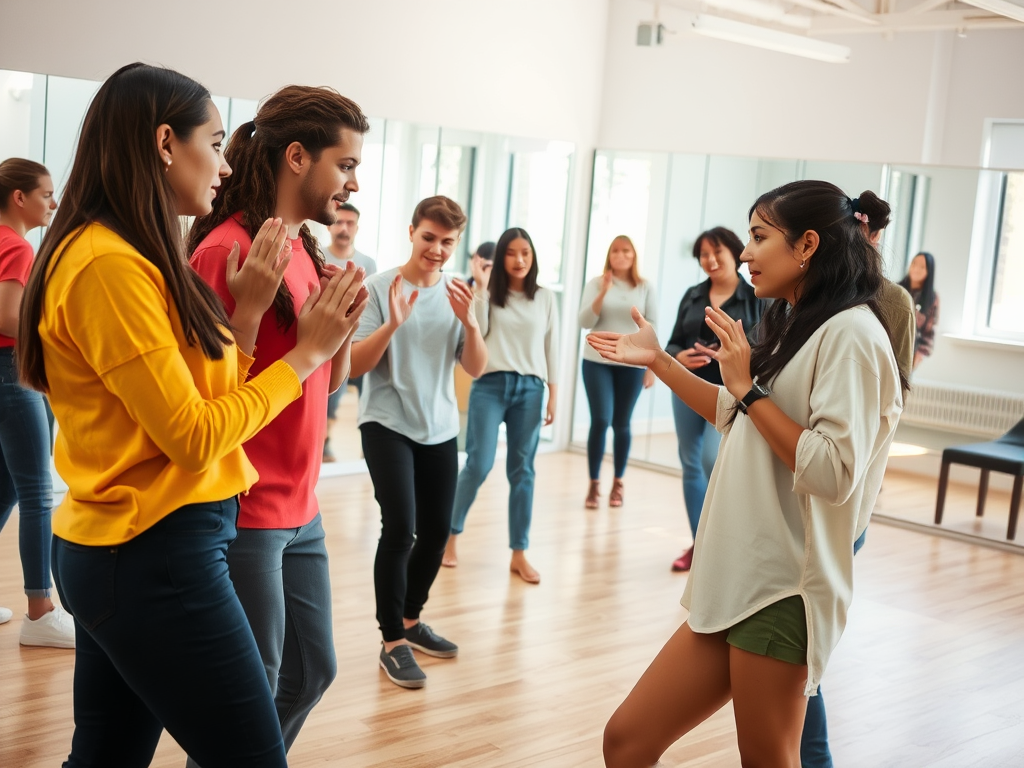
x,y
756,393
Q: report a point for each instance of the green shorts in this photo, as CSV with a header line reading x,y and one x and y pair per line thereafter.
x,y
778,631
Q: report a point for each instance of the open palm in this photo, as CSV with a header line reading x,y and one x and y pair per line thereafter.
x,y
638,348
400,306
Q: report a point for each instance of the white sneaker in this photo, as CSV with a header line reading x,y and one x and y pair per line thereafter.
x,y
54,630
5,615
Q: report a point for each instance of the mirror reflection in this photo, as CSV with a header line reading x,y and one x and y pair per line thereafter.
x,y
969,221
499,181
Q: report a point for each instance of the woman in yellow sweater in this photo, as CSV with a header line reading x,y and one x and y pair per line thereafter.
x,y
153,403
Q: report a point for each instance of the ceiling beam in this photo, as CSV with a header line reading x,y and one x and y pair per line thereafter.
x,y
832,10
854,7
914,22
928,5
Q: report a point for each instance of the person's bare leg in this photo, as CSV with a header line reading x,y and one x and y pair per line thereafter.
x,y
769,702
450,559
522,567
687,682
39,607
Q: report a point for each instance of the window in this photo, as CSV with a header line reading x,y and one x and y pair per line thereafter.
x,y
1006,307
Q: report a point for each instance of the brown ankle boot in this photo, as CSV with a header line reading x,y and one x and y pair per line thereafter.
x,y
615,497
592,494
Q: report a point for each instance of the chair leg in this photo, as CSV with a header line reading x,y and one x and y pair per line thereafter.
x,y
982,492
940,502
1018,483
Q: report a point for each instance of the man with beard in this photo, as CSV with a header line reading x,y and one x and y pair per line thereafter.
x,y
342,250
295,161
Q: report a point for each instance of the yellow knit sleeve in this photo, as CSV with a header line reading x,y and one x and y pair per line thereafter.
x,y
119,319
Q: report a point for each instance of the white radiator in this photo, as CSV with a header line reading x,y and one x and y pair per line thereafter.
x,y
962,409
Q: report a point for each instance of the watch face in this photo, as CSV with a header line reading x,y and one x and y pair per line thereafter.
x,y
763,391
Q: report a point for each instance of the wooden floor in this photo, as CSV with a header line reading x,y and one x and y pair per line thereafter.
x,y
929,673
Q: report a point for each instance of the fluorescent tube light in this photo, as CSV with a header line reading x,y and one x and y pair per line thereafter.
x,y
1010,10
772,40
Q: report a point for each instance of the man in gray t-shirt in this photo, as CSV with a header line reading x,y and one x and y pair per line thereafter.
x,y
341,250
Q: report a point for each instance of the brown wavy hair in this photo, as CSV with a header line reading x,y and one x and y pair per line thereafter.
x,y
19,175
312,116
117,180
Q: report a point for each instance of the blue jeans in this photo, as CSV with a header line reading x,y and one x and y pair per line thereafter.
x,y
25,474
814,751
282,580
698,449
334,399
162,642
612,392
517,400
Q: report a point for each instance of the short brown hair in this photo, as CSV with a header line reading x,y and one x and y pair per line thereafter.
x,y
440,210
19,175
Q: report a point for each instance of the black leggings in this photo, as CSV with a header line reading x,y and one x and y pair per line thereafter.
x,y
415,487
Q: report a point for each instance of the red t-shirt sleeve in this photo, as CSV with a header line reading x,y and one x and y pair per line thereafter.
x,y
211,264
15,260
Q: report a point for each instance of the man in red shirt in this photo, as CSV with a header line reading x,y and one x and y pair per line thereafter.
x,y
296,160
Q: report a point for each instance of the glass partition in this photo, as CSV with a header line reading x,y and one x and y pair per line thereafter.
x,y
500,181
663,202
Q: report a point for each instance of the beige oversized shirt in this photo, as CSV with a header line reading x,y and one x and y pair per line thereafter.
x,y
767,533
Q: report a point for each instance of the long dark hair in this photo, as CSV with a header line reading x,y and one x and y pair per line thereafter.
x,y
117,180
498,284
311,116
926,298
846,270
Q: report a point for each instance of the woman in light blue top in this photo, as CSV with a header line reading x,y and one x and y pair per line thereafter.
x,y
613,389
520,325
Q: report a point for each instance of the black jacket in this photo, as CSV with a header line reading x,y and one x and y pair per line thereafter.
x,y
691,328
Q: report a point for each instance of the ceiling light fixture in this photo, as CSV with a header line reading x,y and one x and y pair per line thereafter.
x,y
1007,8
771,39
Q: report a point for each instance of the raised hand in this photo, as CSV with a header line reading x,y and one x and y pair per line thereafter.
x,y
638,348
460,296
734,355
606,282
254,285
399,307
330,315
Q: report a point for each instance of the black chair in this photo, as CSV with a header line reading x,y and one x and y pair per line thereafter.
x,y
1005,454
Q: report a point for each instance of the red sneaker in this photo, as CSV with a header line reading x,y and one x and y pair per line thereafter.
x,y
683,562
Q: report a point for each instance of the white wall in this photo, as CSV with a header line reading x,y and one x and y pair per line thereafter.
x,y
532,67
695,94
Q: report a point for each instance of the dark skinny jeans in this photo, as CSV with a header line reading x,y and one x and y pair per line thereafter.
x,y
162,642
612,392
415,487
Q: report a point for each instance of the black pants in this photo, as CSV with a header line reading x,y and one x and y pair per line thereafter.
x,y
162,642
415,487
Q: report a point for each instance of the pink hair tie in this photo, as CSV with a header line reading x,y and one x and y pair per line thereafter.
x,y
861,217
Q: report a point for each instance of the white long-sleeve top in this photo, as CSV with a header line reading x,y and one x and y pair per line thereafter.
x,y
767,533
522,336
615,310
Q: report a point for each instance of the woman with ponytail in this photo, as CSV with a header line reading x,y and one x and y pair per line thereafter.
x,y
154,401
26,202
806,417
295,161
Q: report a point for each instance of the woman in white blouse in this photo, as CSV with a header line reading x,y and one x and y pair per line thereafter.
x,y
613,388
807,417
519,321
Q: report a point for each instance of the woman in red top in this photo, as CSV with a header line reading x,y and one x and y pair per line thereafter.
x,y
26,202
